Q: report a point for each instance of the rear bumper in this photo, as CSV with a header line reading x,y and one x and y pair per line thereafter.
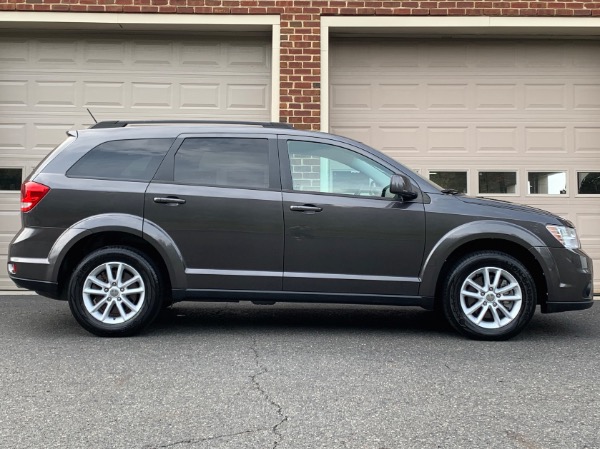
x,y
48,289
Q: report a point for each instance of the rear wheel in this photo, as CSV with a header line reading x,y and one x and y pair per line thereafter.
x,y
489,295
115,292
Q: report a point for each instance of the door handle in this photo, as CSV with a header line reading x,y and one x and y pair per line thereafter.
x,y
169,200
306,208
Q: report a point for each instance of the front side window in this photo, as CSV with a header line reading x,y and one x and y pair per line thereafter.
x,y
124,160
319,167
223,162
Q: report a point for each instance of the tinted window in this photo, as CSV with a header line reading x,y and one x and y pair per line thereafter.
x,y
130,160
319,167
227,162
10,178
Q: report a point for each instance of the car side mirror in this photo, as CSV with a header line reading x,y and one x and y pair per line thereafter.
x,y
401,186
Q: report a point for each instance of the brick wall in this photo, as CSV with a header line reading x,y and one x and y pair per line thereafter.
x,y
300,26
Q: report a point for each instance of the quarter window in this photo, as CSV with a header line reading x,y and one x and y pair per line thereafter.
x,y
588,183
126,160
318,167
223,162
547,183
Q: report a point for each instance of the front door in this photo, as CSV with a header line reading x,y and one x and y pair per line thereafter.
x,y
344,231
220,201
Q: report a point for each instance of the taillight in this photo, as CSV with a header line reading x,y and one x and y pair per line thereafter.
x,y
31,194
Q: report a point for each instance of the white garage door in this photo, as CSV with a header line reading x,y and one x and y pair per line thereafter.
x,y
517,120
48,81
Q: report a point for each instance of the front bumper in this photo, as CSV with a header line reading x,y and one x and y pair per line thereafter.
x,y
569,279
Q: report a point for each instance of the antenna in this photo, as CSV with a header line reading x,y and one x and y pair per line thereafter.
x,y
95,121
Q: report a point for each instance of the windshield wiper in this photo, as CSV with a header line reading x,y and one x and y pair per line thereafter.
x,y
450,191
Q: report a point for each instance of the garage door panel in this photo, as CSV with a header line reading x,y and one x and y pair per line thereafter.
x,y
48,81
478,106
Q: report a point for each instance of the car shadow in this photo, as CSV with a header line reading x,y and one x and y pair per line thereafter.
x,y
193,317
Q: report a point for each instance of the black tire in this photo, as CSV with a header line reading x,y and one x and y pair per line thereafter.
x,y
494,324
147,304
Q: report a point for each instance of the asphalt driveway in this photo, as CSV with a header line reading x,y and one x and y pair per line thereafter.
x,y
295,376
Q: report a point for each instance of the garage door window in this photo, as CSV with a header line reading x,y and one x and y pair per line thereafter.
x,y
10,178
456,180
498,182
588,183
547,183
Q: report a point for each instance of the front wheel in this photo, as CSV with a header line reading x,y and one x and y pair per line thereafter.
x,y
489,295
115,292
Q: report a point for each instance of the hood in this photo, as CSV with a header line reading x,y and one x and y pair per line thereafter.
x,y
500,204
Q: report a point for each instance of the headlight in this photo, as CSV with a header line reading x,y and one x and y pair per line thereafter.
x,y
566,236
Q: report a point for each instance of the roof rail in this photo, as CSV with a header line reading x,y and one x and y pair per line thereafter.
x,y
124,123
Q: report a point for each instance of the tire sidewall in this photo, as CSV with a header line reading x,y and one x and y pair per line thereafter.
x,y
473,262
152,284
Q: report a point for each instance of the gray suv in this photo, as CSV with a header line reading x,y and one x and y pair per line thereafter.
x,y
122,220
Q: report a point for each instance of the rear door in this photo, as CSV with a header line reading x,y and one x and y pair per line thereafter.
x,y
219,198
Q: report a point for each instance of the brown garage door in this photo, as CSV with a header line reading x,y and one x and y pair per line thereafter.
x,y
513,119
48,80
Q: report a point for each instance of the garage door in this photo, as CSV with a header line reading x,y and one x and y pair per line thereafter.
x,y
48,81
517,120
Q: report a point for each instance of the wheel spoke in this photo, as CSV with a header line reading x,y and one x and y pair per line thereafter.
x,y
496,316
474,307
99,305
119,275
129,304
471,294
507,288
121,310
476,286
486,278
93,291
507,313
98,282
109,274
131,281
106,311
510,298
133,291
484,309
497,279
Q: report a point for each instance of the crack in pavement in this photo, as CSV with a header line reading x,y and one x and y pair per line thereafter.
x,y
201,440
254,378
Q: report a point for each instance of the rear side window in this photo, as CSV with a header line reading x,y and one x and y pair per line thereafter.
x,y
124,160
223,162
